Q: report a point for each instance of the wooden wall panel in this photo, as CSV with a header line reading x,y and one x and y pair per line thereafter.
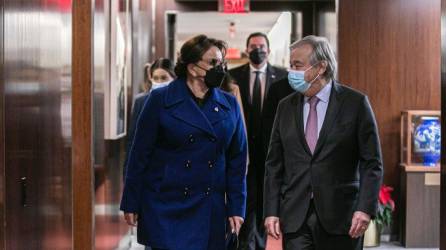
x,y
390,50
83,195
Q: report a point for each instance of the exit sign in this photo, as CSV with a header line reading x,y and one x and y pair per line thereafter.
x,y
233,6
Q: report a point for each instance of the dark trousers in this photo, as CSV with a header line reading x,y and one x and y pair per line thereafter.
x,y
252,233
312,236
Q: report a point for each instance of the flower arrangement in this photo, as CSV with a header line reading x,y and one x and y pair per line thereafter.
x,y
386,206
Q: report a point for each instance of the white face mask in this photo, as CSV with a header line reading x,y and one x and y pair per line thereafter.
x,y
157,85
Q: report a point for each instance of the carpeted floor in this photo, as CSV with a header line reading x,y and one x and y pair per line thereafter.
x,y
129,243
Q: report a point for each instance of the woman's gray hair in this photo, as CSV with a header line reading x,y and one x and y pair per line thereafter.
x,y
322,51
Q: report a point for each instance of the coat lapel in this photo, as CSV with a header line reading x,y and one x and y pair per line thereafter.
x,y
334,104
184,108
270,78
244,85
298,111
217,107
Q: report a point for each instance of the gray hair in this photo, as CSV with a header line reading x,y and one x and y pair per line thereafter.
x,y
322,51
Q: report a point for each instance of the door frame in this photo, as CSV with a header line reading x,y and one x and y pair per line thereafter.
x,y
2,137
443,129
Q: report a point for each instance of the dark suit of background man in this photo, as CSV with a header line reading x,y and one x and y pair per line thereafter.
x,y
324,166
256,79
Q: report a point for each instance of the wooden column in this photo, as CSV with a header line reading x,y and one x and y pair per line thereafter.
x,y
443,129
83,196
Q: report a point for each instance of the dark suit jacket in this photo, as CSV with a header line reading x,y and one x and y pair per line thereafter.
x,y
274,74
344,172
277,92
258,145
136,110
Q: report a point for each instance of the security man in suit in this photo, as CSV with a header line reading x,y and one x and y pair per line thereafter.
x,y
255,80
324,164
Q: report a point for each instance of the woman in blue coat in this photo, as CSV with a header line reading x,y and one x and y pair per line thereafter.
x,y
185,177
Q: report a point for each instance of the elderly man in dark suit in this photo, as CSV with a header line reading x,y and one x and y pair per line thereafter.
x,y
324,166
256,79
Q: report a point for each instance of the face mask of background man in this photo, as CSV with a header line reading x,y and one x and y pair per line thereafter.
x,y
258,51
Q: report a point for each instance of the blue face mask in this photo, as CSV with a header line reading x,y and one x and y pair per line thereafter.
x,y
296,78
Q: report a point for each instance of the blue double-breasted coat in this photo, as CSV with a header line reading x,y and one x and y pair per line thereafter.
x,y
183,161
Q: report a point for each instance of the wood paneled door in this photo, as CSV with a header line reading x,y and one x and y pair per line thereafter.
x,y
36,124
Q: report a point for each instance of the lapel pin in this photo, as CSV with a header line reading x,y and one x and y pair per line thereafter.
x,y
216,109
273,76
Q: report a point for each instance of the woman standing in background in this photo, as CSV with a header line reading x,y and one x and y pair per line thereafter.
x,y
159,74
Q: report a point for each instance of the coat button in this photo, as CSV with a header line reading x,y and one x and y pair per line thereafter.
x,y
188,164
212,139
211,165
208,191
186,191
191,139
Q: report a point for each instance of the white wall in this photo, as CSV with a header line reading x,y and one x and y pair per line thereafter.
x,y
279,38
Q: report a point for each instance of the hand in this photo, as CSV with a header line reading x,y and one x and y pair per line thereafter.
x,y
236,223
272,226
131,219
360,223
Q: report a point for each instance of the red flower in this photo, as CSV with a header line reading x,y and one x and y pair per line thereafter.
x,y
385,197
386,206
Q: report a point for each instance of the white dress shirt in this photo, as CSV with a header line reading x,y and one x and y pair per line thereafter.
x,y
321,107
252,77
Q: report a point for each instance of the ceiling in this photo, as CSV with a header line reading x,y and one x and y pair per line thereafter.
x,y
216,25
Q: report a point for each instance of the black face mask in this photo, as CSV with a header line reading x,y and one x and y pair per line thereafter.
x,y
257,56
214,77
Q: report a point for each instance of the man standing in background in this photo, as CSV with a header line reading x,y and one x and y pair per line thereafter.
x,y
255,80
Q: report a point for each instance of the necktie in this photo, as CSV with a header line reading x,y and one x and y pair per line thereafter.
x,y
311,133
256,92
256,105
